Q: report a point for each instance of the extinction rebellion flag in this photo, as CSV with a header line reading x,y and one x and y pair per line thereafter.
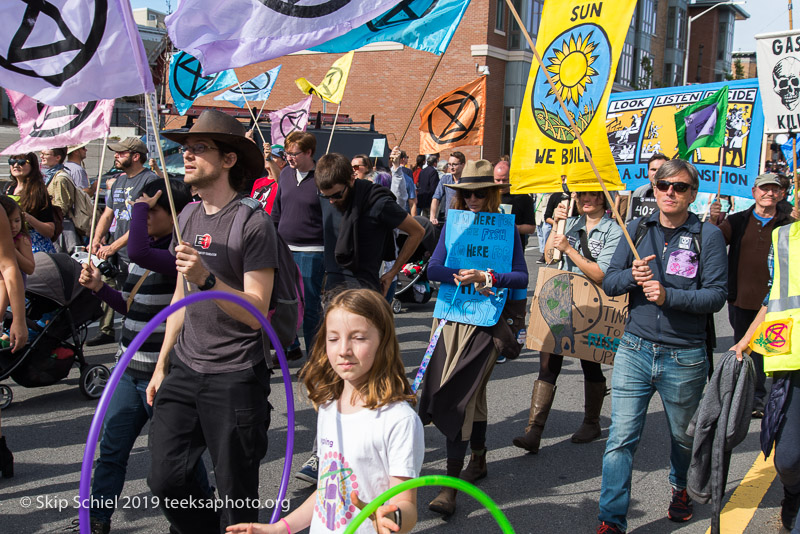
x,y
778,58
42,126
702,124
454,119
332,86
187,81
290,119
579,46
253,90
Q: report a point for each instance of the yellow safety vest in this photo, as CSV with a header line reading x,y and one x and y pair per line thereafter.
x,y
783,309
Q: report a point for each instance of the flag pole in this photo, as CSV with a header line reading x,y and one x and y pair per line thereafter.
x,y
421,96
152,116
335,118
719,183
247,104
97,195
259,112
574,127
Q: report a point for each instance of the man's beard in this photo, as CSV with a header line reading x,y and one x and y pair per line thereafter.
x,y
123,164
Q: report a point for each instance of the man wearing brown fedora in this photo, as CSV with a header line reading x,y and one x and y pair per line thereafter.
x,y
213,394
130,154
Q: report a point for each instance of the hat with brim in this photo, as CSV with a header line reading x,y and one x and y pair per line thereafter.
x,y
219,126
73,148
767,179
476,175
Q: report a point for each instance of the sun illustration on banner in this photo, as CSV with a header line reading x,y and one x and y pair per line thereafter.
x,y
578,63
572,68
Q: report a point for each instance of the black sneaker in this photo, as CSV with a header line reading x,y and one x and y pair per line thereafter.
x,y
100,339
680,509
789,506
98,526
609,528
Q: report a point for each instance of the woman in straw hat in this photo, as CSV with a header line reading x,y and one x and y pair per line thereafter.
x,y
454,391
586,246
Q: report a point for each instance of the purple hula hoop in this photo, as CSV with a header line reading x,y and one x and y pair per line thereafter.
x,y
108,392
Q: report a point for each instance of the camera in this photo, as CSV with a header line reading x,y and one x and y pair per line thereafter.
x,y
108,269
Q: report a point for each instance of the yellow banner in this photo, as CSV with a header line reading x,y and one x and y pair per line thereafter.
x,y
773,338
580,46
332,86
454,119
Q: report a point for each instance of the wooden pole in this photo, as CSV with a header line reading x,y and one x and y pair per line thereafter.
x,y
335,118
97,195
164,169
764,145
574,127
719,183
247,104
421,96
562,224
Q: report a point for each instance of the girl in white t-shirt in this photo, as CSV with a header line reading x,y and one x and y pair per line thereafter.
x,y
368,435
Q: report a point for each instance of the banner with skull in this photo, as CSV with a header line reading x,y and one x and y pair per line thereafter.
x,y
778,57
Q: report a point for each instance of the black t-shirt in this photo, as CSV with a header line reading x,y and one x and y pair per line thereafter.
x,y
382,218
552,203
522,209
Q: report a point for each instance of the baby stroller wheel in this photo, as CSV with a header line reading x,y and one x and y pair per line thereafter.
x,y
6,395
396,306
93,380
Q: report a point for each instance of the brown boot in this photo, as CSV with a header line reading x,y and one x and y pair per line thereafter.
x,y
541,401
444,503
476,468
593,404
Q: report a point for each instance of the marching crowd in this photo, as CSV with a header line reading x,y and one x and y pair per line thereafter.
x,y
203,378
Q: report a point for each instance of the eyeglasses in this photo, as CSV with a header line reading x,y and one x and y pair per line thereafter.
x,y
477,193
197,148
292,154
15,161
766,189
356,167
678,187
335,196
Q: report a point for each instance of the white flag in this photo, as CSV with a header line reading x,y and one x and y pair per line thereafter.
x,y
778,57
66,51
224,34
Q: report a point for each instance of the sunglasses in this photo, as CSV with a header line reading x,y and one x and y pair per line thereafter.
x,y
197,149
678,187
335,196
356,167
477,193
15,161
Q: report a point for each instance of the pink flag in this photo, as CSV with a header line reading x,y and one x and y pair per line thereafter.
x,y
42,126
290,119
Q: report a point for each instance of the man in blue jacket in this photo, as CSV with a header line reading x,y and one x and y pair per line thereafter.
x,y
680,280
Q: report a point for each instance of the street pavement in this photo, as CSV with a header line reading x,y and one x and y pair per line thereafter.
x,y
554,491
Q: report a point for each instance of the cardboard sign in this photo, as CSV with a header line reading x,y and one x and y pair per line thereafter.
x,y
643,206
378,148
475,241
571,316
152,147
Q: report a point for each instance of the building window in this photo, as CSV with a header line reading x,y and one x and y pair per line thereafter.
x,y
531,15
725,40
648,14
625,68
500,15
644,76
676,28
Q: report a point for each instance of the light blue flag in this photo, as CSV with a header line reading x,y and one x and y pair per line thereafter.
x,y
786,148
426,25
186,81
255,89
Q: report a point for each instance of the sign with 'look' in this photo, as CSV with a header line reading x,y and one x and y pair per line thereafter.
x,y
475,241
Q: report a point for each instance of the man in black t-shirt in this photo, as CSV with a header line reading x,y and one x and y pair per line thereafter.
x,y
358,223
215,395
521,205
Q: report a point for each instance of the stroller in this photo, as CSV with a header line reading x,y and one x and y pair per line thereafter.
x,y
412,281
58,312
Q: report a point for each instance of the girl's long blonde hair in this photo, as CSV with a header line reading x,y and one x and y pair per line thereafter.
x,y
386,381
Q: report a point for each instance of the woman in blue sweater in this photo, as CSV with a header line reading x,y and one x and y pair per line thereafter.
x,y
454,391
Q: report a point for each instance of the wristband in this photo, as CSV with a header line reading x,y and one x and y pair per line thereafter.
x,y
286,525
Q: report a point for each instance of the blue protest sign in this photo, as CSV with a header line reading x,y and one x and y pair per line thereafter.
x,y
475,241
642,123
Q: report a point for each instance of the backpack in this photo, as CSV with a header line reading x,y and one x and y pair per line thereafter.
x,y
82,206
286,305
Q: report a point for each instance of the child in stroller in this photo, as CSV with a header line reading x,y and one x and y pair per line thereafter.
x,y
412,281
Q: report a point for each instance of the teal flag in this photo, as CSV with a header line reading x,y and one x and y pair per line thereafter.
x,y
702,124
426,25
186,81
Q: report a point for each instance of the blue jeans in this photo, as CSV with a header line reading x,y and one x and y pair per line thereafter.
x,y
312,269
640,369
542,232
127,414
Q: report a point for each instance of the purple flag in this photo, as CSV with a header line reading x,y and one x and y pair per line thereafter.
x,y
42,126
234,33
290,119
62,52
701,122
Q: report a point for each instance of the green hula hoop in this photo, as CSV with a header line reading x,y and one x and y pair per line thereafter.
x,y
433,480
